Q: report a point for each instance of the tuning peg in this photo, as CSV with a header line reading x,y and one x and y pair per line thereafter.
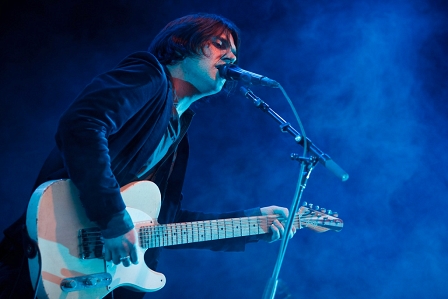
x,y
317,208
310,205
330,212
335,214
323,210
304,204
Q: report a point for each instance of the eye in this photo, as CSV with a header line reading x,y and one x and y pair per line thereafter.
x,y
220,43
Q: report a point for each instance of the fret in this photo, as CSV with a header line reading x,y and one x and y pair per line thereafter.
x,y
164,238
177,234
207,230
155,236
166,235
187,236
235,226
253,226
195,232
244,226
220,229
201,231
227,223
183,233
241,228
214,230
160,232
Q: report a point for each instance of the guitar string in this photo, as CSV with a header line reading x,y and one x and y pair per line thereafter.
x,y
190,227
182,233
201,231
208,224
211,232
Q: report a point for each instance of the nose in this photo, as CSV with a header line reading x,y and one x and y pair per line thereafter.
x,y
229,57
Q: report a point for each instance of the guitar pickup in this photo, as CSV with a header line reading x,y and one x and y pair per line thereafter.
x,y
91,243
80,283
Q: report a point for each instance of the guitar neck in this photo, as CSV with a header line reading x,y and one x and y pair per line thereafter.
x,y
199,231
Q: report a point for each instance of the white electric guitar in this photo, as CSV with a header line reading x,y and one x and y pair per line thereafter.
x,y
70,262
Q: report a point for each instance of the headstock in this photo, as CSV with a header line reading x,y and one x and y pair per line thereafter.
x,y
318,219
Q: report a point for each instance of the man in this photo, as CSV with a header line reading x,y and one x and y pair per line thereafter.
x,y
130,124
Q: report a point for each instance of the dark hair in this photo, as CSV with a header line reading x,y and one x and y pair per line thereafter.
x,y
186,36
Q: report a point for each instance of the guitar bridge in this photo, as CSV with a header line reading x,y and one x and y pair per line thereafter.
x,y
91,243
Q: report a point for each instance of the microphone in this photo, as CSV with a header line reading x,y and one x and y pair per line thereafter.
x,y
233,72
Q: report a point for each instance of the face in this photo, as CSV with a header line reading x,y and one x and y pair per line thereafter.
x,y
202,71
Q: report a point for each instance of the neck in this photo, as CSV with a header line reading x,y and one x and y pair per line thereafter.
x,y
186,92
185,95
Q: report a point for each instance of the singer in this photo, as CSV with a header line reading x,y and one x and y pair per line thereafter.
x,y
130,124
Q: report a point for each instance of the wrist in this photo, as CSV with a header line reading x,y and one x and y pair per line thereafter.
x,y
116,225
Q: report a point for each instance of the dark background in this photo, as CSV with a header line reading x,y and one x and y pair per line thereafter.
x,y
369,81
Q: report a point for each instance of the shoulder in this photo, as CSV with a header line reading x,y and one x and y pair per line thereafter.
x,y
140,67
142,56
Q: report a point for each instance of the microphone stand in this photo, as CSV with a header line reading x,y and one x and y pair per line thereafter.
x,y
323,158
307,165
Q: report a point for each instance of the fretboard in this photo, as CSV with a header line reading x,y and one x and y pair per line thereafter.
x,y
199,231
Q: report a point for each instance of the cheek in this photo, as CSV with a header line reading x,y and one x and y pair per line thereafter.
x,y
206,66
207,51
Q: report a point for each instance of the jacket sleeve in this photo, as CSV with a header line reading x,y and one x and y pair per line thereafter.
x,y
231,244
172,211
103,107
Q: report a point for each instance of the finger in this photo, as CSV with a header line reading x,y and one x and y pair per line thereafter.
x,y
291,233
275,233
283,212
126,261
116,259
107,255
133,254
280,227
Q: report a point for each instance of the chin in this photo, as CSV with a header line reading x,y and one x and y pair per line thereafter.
x,y
220,85
215,89
213,92
218,89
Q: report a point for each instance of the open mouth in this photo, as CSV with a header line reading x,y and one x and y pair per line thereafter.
x,y
218,73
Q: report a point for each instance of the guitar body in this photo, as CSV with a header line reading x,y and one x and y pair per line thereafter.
x,y
54,218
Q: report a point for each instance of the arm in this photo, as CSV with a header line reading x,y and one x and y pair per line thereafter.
x,y
172,211
100,111
276,230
